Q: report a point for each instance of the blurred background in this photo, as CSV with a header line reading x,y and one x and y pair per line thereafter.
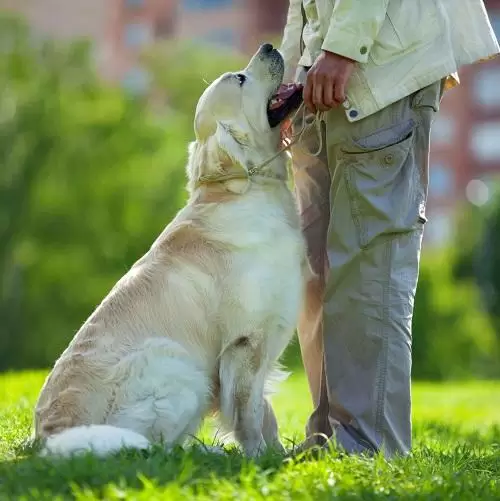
x,y
96,107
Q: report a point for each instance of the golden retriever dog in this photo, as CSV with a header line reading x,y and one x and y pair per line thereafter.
x,y
198,323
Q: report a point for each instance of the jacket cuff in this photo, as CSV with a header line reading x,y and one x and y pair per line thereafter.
x,y
347,44
354,27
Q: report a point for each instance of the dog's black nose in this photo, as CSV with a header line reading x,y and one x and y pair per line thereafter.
x,y
266,48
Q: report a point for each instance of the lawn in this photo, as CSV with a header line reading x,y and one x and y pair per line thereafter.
x,y
456,456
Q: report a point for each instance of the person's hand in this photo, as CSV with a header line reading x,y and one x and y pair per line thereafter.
x,y
326,81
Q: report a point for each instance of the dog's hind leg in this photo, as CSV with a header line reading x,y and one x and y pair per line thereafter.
x,y
165,400
242,406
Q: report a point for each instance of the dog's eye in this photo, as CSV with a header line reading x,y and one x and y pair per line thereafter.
x,y
241,78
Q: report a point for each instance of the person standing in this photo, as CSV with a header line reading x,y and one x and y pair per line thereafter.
x,y
377,70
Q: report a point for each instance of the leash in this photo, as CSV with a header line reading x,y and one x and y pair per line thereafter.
x,y
295,138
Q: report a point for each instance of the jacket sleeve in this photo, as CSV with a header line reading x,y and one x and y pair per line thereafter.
x,y
290,45
354,27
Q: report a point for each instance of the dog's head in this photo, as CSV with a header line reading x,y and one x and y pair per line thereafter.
x,y
237,118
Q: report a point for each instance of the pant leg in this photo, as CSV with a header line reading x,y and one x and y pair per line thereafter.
x,y
312,187
378,197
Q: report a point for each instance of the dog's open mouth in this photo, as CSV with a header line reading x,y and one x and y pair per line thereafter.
x,y
284,101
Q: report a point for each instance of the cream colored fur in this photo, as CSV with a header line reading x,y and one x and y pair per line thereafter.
x,y
199,322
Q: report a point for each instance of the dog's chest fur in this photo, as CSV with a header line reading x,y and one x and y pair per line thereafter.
x,y
264,285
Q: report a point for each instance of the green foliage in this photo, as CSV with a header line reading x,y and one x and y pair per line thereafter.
x,y
453,336
477,250
183,71
88,180
455,457
470,227
486,265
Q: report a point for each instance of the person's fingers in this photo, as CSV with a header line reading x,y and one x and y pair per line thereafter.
x,y
340,89
328,96
318,94
307,93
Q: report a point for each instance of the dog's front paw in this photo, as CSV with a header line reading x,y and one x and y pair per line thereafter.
x,y
255,449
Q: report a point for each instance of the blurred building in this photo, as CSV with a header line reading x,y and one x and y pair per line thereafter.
x,y
119,29
69,19
465,149
241,24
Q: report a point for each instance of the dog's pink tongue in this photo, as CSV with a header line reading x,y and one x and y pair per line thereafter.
x,y
286,90
283,93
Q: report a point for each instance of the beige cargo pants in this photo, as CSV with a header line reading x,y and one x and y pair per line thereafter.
x,y
362,204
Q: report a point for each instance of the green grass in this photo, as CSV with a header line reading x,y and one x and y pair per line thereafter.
x,y
456,456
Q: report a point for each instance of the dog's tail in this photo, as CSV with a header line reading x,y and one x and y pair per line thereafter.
x,y
100,440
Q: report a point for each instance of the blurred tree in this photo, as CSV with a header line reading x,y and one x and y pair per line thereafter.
x,y
453,336
30,124
486,263
470,227
477,250
182,71
88,179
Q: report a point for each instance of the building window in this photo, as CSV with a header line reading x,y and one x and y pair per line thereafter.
x,y
441,181
443,130
205,4
134,3
486,87
137,34
164,28
485,142
136,81
225,37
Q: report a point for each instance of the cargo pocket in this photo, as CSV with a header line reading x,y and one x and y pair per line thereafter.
x,y
384,182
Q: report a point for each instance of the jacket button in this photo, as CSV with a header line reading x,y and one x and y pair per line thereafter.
x,y
353,113
363,50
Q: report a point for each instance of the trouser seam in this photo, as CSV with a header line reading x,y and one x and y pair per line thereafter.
x,y
382,364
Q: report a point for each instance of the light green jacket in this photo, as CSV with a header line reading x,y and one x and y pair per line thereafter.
x,y
401,45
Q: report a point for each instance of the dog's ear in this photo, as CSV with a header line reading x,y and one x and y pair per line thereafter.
x,y
231,147
193,166
221,155
231,135
204,125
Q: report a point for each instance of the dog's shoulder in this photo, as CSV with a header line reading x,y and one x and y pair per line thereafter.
x,y
180,236
187,240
